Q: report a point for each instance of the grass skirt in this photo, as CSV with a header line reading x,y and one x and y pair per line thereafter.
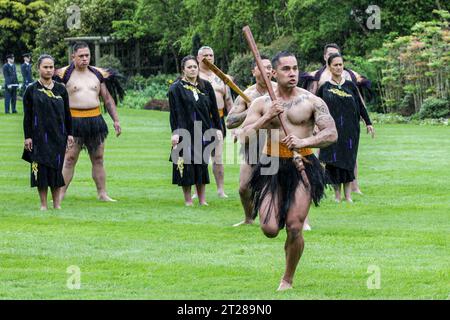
x,y
89,132
284,183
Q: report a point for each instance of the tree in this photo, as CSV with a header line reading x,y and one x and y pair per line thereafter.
x,y
96,18
164,20
416,65
18,23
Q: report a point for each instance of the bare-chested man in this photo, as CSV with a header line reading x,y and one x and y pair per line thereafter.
x,y
85,85
224,102
312,81
250,150
281,194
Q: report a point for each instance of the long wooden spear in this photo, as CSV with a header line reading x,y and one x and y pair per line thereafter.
x,y
226,79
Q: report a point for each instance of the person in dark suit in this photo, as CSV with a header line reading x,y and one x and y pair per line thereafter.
x,y
11,83
25,68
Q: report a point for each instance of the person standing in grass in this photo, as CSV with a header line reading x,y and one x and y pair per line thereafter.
x,y
346,107
193,110
312,81
224,101
11,83
87,87
47,126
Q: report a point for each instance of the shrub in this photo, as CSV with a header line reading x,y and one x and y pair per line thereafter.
x,y
134,100
393,118
240,69
136,82
388,118
110,61
434,108
148,93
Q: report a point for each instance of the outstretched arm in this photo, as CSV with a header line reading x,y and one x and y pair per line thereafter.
x,y
111,107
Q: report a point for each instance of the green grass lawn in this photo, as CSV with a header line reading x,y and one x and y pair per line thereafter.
x,y
149,246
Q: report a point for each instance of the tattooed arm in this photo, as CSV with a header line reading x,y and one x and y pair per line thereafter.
x,y
237,114
325,123
111,108
327,133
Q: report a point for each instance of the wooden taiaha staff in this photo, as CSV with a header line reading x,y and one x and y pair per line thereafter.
x,y
254,49
226,79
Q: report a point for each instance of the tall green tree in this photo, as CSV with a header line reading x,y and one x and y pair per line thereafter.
x,y
347,23
18,23
415,67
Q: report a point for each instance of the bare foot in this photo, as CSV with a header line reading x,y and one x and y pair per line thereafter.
x,y
106,198
242,222
337,200
306,227
43,208
284,285
57,207
188,204
194,196
222,195
204,204
357,192
349,200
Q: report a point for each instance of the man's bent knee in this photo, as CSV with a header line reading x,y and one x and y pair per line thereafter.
x,y
270,231
70,161
244,190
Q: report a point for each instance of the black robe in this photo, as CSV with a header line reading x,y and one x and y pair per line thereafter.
x,y
47,121
346,108
185,110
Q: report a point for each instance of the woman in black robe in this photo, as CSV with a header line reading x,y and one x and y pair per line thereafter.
x,y
194,120
346,107
47,126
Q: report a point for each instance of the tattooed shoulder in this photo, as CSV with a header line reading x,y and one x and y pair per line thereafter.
x,y
321,112
320,107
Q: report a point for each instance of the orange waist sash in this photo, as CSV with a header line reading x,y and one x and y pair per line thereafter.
x,y
85,113
221,113
283,151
